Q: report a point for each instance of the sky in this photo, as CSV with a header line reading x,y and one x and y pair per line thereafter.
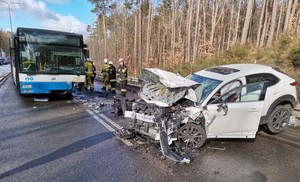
x,y
63,15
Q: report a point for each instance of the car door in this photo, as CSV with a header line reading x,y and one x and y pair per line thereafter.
x,y
236,113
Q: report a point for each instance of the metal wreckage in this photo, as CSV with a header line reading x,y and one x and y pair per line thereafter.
x,y
167,112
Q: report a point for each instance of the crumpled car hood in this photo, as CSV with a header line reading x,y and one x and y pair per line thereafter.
x,y
164,88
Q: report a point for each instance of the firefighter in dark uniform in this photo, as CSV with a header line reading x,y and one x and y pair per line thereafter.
x,y
112,77
94,72
122,75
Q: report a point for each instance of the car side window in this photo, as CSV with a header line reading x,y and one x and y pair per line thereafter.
x,y
262,77
246,93
226,88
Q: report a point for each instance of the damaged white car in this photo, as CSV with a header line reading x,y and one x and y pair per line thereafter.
x,y
228,101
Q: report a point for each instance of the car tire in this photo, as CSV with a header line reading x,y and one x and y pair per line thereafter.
x,y
279,119
190,136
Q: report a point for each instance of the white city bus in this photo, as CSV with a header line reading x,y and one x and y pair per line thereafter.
x,y
44,61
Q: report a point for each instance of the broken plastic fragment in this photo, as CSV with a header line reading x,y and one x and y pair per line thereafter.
x,y
125,133
217,148
166,150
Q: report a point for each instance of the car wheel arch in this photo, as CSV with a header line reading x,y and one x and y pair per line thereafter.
x,y
283,100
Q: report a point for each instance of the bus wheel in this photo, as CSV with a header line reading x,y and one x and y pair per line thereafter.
x,y
68,95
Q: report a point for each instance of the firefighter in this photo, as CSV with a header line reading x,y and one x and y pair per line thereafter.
x,y
122,75
94,72
104,72
112,77
89,74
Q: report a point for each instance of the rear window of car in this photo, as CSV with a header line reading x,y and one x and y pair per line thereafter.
x,y
262,77
222,70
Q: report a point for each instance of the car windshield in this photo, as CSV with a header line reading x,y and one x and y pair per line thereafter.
x,y
50,59
208,84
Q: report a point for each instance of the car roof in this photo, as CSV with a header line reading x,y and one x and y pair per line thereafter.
x,y
232,71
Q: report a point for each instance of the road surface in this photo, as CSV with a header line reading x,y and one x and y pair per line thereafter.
x,y
66,140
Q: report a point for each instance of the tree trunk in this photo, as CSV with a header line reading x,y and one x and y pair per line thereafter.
x,y
159,46
140,35
173,34
293,13
273,22
104,34
230,25
279,21
189,24
287,16
135,49
247,21
148,33
196,35
263,10
124,29
263,35
214,20
298,26
237,22
204,21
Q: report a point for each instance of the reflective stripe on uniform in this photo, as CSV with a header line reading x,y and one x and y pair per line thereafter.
x,y
123,90
113,80
113,88
105,69
89,69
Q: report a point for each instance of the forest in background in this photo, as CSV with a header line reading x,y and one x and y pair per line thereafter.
x,y
187,35
4,41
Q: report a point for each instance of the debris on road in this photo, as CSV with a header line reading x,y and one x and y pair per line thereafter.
x,y
294,122
126,134
217,148
102,94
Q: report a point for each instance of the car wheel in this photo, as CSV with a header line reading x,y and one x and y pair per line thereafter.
x,y
278,119
190,136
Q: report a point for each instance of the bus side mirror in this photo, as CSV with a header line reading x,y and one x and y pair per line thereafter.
x,y
11,43
86,53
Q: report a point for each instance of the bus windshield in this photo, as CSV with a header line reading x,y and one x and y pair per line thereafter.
x,y
43,58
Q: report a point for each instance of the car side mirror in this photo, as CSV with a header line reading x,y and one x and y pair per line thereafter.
x,y
223,106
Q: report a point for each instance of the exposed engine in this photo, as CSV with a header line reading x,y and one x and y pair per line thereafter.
x,y
150,117
169,126
168,112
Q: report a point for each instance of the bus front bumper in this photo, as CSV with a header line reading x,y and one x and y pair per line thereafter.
x,y
44,87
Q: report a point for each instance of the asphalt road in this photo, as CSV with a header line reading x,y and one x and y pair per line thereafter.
x,y
60,141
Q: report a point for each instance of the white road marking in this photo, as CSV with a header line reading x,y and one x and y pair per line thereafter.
x,y
111,121
101,121
125,141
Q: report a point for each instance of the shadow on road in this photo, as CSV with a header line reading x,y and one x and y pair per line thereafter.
x,y
26,130
62,152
